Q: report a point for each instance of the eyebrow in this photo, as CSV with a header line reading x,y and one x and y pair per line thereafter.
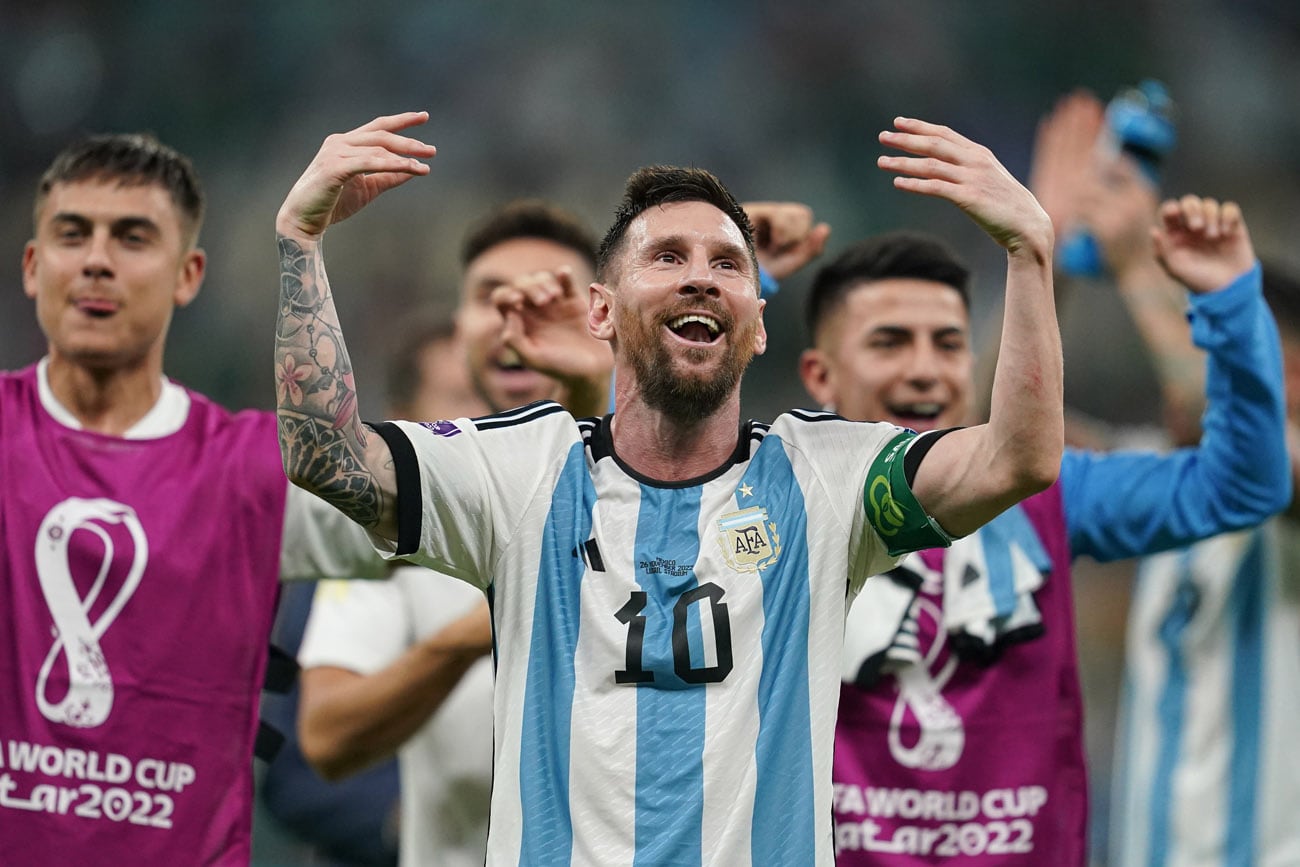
x,y
118,226
725,248
903,331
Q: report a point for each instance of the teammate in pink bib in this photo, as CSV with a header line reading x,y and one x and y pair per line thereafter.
x,y
141,529
959,737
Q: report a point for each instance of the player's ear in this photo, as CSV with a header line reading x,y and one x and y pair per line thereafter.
x,y
193,267
600,311
29,269
818,380
760,335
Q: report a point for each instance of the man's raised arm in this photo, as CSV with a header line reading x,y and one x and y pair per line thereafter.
x,y
973,474
325,448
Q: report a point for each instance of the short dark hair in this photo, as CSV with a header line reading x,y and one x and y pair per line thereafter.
x,y
892,255
404,373
659,185
1282,292
529,218
131,159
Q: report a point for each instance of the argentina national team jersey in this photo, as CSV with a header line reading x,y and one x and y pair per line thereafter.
x,y
667,653
1207,770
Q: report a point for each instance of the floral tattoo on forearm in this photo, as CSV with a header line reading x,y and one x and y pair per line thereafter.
x,y
322,439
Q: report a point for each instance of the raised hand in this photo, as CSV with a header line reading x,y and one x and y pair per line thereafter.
x,y
546,324
950,166
1201,243
349,171
1064,154
785,236
975,473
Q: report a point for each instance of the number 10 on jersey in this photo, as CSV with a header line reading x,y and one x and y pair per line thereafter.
x,y
630,615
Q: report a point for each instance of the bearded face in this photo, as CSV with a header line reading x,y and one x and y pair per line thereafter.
x,y
682,307
690,380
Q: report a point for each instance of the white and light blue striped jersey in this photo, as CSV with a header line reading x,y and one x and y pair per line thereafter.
x,y
667,653
1207,773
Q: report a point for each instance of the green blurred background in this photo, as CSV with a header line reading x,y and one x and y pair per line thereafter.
x,y
564,99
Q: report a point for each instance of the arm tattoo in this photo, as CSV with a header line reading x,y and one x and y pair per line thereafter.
x,y
322,440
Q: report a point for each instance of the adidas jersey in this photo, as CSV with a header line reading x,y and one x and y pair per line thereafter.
x,y
1207,771
668,653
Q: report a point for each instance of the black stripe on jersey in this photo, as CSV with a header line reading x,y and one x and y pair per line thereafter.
x,y
601,443
410,507
815,415
918,449
911,459
904,577
598,438
592,555
513,411
523,414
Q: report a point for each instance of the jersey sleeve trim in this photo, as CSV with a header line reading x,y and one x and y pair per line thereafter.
x,y
892,508
919,449
410,506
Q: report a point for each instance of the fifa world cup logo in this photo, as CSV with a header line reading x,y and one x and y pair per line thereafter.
x,y
89,698
942,736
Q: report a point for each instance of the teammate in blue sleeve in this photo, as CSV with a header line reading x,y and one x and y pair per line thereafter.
x,y
668,584
960,668
1204,772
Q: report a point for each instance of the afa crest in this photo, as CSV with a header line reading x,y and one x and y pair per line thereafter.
x,y
749,541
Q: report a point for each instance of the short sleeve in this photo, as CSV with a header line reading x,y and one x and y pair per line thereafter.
x,y
319,541
464,487
361,626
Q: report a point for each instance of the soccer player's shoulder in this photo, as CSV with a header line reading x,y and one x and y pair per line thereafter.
x,y
814,427
537,425
531,418
246,428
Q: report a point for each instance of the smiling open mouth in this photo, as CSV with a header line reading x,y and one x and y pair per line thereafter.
x,y
508,359
695,327
917,411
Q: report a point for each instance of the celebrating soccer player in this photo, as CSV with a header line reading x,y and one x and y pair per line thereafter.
x,y
668,584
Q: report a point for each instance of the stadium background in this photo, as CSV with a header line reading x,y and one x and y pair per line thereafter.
x,y
564,99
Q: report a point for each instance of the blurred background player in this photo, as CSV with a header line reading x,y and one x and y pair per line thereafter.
x,y
1098,170
960,726
1203,772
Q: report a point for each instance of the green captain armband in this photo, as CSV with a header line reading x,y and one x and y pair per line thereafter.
x,y
892,508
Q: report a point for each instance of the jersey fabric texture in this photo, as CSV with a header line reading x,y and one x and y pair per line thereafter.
x,y
1207,771
668,653
446,767
978,759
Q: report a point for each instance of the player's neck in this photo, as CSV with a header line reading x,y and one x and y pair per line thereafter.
x,y
105,400
668,449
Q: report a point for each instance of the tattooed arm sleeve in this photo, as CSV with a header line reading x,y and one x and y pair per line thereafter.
x,y
325,447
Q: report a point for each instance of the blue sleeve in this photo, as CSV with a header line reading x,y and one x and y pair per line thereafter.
x,y
1127,504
